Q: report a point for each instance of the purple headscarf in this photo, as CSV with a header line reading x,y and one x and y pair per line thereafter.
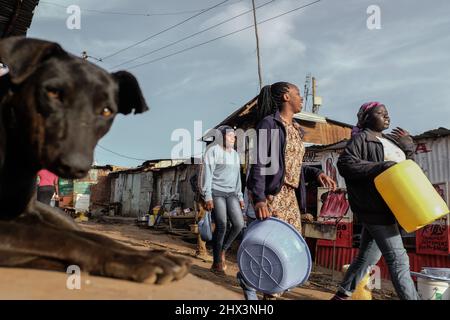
x,y
362,113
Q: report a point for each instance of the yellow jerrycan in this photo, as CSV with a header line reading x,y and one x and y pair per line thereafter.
x,y
362,290
410,195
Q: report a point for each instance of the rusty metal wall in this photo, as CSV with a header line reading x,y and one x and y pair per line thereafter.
x,y
324,133
145,193
174,181
134,191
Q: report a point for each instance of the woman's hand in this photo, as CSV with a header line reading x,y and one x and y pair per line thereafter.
x,y
242,204
262,211
307,217
209,205
326,181
399,133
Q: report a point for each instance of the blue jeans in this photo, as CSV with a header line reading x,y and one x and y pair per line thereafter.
x,y
249,292
226,205
377,240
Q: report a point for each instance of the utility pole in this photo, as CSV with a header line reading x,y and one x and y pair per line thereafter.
x,y
257,46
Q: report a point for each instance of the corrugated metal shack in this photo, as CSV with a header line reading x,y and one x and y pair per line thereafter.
x,y
156,182
16,17
433,154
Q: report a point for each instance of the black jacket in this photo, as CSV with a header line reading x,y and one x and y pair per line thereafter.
x,y
359,164
261,185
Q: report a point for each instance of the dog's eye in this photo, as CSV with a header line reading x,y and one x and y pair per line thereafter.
x,y
106,112
54,94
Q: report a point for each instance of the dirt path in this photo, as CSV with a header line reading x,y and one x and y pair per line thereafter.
x,y
199,284
142,238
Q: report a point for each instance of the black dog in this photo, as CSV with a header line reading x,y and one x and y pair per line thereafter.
x,y
54,107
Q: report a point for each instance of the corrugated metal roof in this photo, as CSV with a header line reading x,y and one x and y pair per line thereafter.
x,y
16,16
158,165
312,117
334,146
435,133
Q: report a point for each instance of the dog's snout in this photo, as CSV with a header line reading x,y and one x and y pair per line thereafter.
x,y
74,165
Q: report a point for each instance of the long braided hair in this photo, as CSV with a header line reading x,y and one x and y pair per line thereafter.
x,y
270,99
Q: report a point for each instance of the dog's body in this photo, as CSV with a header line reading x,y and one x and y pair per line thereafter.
x,y
54,107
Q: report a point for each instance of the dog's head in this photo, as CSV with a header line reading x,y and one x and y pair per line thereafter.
x,y
61,105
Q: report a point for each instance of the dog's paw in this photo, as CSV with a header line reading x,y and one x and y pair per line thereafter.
x,y
168,267
158,267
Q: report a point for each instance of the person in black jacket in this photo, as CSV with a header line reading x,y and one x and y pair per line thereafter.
x,y
279,177
367,154
277,187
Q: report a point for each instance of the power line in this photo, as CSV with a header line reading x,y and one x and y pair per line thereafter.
x,y
192,35
133,13
165,30
120,155
221,37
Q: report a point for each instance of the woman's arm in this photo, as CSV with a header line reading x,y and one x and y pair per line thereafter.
x,y
256,182
239,181
56,185
209,165
311,173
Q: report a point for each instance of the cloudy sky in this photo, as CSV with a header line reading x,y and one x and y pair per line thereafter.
x,y
405,64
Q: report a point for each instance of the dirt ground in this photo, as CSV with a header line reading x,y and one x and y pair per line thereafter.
x,y
199,284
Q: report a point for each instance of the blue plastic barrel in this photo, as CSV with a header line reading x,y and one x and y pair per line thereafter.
x,y
273,256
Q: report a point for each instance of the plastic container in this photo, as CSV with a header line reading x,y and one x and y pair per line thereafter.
x,y
410,195
362,291
443,273
151,220
430,289
273,257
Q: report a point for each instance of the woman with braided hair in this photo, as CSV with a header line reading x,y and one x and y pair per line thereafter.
x,y
277,187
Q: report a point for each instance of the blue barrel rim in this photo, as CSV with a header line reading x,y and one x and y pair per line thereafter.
x,y
302,240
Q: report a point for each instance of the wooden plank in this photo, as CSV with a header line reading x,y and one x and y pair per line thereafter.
x,y
319,230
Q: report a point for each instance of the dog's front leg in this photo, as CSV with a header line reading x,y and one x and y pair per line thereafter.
x,y
40,213
69,247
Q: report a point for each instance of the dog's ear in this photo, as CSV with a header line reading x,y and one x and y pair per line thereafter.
x,y
130,94
23,56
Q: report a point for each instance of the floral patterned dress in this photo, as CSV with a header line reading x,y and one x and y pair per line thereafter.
x,y
284,205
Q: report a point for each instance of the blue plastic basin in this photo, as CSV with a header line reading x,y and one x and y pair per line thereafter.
x,y
273,256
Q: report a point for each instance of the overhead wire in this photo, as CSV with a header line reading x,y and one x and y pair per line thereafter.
x,y
162,31
133,13
221,37
192,35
